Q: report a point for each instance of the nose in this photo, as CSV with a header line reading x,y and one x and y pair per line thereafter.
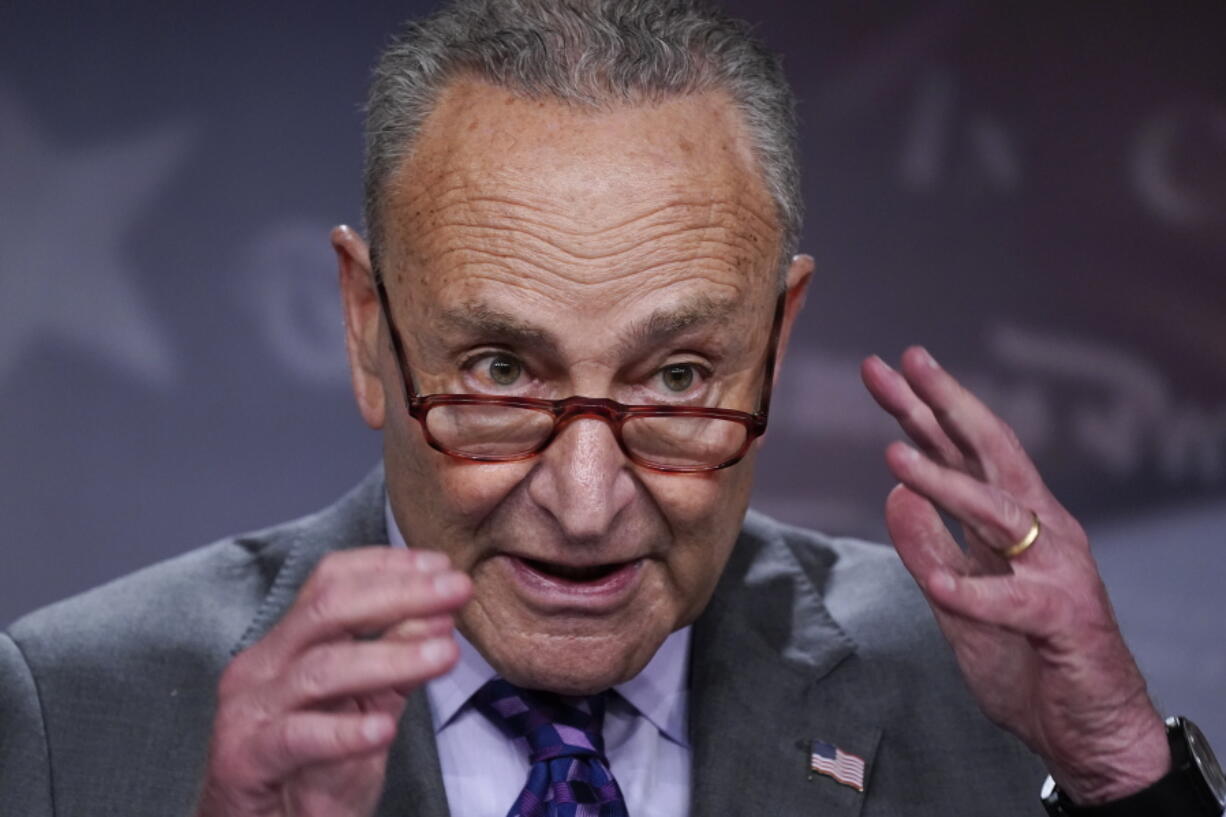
x,y
582,480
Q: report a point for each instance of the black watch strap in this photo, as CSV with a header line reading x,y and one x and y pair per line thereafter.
x,y
1194,787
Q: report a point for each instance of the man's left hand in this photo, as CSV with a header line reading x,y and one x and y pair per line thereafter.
x,y
1034,635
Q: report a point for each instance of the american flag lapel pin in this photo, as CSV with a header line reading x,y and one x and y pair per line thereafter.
x,y
830,760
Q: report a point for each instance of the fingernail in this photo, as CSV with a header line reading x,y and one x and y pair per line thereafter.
x,y
909,453
928,360
431,559
880,360
435,650
943,581
448,584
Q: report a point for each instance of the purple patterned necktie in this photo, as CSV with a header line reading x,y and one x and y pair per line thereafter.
x,y
570,776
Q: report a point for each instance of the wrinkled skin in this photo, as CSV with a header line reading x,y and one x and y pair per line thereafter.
x,y
534,249
1034,635
602,249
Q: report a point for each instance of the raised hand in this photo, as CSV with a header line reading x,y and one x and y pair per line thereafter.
x,y
1034,633
305,717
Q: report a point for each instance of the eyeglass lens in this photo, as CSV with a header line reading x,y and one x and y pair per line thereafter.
x,y
506,432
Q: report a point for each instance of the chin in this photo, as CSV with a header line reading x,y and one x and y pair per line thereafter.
x,y
570,660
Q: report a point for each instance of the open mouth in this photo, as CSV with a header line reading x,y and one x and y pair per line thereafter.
x,y
553,586
587,573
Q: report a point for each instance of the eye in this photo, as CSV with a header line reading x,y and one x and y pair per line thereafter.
x,y
677,377
504,369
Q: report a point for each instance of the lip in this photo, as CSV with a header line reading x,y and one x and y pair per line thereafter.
x,y
550,593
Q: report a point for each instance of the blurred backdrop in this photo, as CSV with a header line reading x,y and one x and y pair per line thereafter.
x,y
1035,190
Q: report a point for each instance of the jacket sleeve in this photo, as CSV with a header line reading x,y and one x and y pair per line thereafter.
x,y
25,768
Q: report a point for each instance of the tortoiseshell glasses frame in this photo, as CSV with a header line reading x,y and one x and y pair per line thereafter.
x,y
562,411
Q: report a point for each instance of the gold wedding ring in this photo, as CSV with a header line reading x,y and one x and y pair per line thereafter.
x,y
1026,541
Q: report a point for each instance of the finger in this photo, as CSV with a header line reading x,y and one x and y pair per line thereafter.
x,y
992,514
985,441
306,738
920,537
1020,604
349,669
341,603
419,629
413,630
390,702
892,392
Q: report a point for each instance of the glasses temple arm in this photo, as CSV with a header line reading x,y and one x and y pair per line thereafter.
x,y
411,393
772,353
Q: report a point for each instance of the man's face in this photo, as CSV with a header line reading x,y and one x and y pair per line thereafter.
x,y
537,250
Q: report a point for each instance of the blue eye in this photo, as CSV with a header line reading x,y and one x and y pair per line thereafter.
x,y
677,377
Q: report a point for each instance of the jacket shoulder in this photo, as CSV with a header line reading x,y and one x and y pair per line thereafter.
x,y
204,600
201,599
109,696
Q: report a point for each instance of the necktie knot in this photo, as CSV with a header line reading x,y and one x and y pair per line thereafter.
x,y
549,725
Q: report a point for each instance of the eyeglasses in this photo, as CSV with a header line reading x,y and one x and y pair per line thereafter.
x,y
668,438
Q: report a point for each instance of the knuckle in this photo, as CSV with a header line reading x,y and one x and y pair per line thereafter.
x,y
328,570
323,606
313,677
1009,515
285,738
1019,598
916,416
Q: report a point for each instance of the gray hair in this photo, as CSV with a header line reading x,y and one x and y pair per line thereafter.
x,y
589,53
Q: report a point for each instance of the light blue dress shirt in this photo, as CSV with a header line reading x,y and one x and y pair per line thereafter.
x,y
645,732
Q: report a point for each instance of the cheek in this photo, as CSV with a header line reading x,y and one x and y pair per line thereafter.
x,y
446,499
699,502
470,491
704,512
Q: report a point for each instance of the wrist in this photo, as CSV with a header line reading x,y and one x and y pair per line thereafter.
x,y
1193,787
1134,759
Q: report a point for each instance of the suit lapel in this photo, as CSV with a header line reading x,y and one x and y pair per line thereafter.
x,y
761,690
414,784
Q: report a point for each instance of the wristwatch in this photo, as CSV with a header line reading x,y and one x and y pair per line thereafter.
x,y
1194,787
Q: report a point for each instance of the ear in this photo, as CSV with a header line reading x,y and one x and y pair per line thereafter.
x,y
360,303
800,273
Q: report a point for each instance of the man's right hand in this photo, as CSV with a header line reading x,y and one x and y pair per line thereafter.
x,y
305,717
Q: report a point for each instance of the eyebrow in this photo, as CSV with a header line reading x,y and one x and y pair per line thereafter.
x,y
482,319
669,322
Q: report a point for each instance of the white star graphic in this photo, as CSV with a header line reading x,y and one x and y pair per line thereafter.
x,y
63,218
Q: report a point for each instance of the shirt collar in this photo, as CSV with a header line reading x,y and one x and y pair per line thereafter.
x,y
659,692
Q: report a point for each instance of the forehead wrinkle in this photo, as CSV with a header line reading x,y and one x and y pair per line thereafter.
x,y
709,248
519,223
503,219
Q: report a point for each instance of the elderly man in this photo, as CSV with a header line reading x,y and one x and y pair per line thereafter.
x,y
574,302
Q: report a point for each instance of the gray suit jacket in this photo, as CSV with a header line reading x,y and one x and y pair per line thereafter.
x,y
106,700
